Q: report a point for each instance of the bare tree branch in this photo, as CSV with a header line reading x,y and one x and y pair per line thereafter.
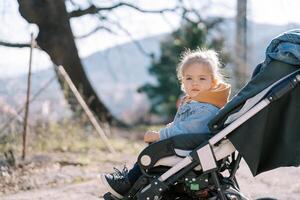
x,y
186,12
19,45
95,30
138,45
80,12
93,9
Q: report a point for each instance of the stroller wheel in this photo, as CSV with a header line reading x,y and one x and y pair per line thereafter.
x,y
109,196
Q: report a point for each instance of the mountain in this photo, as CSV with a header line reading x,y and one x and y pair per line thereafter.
x,y
117,72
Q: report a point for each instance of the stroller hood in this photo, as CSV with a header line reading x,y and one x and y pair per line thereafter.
x,y
271,138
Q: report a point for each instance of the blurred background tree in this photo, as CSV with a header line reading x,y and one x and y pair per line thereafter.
x,y
192,35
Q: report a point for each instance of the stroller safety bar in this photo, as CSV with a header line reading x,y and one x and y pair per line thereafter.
x,y
221,151
183,163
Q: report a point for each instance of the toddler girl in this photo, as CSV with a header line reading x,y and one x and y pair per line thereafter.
x,y
205,93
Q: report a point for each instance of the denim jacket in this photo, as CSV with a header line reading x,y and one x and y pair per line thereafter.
x,y
285,48
192,117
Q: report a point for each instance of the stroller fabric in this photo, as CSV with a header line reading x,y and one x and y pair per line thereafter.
x,y
271,138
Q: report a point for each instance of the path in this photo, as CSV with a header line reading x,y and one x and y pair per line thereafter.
x,y
282,184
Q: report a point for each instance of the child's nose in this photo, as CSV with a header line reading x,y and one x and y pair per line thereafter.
x,y
194,82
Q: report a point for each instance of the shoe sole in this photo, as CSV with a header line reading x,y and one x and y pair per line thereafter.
x,y
109,196
108,187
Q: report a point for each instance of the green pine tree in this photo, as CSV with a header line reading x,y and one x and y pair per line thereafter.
x,y
192,35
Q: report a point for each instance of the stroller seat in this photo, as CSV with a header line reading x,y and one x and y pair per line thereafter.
x,y
221,151
260,123
196,162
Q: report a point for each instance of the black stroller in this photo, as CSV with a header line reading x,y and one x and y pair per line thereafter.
x,y
260,123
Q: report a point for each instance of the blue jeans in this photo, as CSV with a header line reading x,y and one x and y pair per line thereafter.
x,y
134,174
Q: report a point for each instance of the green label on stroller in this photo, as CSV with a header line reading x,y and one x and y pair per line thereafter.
x,y
194,186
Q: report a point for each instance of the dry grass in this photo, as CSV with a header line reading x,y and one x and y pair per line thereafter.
x,y
76,137
64,153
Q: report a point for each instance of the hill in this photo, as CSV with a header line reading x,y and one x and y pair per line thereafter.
x,y
117,72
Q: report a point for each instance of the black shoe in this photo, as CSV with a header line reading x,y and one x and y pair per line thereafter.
x,y
109,196
117,183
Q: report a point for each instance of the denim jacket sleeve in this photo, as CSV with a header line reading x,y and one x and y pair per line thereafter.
x,y
193,119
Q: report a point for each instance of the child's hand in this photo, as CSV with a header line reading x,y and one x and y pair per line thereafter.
x,y
151,136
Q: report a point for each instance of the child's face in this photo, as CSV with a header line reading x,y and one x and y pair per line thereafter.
x,y
196,79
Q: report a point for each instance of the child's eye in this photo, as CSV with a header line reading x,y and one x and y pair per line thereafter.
x,y
188,78
202,79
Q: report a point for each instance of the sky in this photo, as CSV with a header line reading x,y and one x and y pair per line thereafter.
x,y
16,29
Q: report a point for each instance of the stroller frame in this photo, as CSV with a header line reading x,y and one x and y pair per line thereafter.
x,y
207,155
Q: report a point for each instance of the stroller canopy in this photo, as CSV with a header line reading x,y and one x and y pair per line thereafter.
x,y
271,138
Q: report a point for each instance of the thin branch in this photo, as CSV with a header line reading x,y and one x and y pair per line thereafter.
x,y
93,9
95,30
137,43
19,45
196,12
186,12
80,12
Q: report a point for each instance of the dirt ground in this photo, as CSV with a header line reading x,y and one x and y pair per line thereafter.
x,y
61,176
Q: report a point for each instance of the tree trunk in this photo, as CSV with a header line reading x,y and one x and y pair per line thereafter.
x,y
241,72
56,38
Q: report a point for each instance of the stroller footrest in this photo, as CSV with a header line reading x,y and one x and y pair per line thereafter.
x,y
152,191
140,183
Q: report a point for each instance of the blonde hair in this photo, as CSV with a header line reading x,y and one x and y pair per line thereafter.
x,y
201,56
